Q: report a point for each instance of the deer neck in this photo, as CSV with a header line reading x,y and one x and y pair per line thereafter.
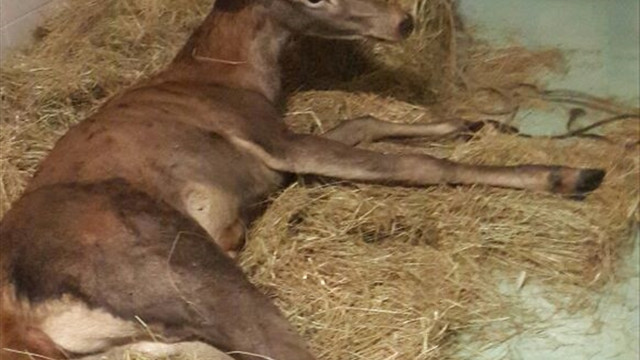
x,y
238,46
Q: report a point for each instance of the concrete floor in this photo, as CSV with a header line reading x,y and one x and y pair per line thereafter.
x,y
19,18
601,40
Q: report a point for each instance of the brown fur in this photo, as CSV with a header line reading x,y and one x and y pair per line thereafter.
x,y
133,211
19,332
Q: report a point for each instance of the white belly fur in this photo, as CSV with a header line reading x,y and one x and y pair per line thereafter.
x,y
76,328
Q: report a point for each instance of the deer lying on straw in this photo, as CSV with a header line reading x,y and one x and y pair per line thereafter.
x,y
138,210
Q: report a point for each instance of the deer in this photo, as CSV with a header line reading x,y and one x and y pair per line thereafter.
x,y
139,211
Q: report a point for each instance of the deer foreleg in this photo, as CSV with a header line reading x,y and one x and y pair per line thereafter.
x,y
304,154
369,129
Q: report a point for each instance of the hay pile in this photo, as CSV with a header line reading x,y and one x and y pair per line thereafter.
x,y
365,271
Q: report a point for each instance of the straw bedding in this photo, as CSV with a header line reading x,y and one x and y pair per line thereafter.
x,y
369,271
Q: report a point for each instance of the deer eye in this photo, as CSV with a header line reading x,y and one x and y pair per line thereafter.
x,y
314,3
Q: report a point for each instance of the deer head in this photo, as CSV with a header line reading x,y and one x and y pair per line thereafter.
x,y
343,19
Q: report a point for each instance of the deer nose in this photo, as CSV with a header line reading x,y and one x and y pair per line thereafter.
x,y
406,26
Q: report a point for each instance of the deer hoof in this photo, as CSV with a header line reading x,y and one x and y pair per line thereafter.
x,y
475,126
587,181
575,183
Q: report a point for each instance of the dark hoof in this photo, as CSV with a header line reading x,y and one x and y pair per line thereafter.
x,y
588,180
468,129
504,128
474,126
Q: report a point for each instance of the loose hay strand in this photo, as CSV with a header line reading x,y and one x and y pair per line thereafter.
x,y
367,271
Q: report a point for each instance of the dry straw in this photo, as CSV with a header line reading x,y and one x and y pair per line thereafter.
x,y
366,271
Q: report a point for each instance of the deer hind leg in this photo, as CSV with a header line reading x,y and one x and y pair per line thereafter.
x,y
192,291
138,258
313,155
